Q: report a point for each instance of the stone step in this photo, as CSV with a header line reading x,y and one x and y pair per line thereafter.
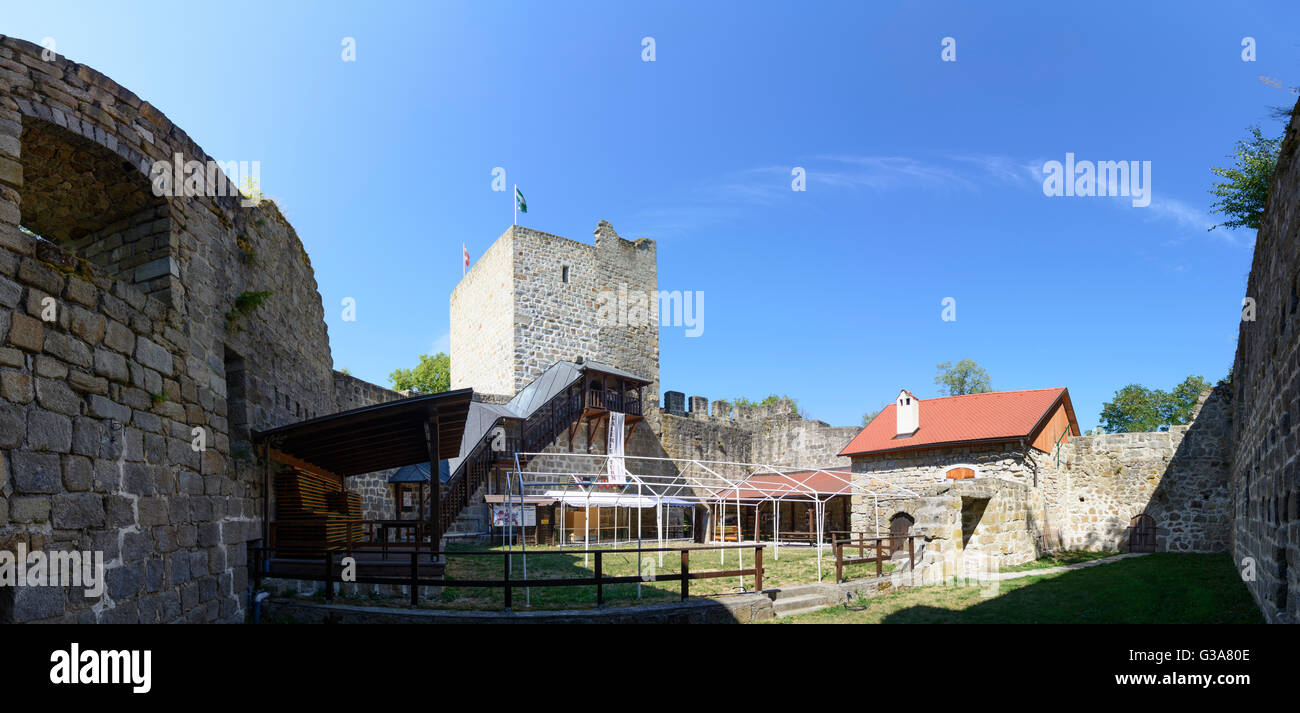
x,y
798,592
801,610
798,604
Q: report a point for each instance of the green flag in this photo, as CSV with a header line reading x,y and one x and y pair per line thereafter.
x,y
519,201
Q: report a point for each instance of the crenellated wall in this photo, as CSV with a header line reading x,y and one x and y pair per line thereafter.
x,y
773,434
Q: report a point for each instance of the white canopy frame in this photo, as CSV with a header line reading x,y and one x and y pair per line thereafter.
x,y
702,482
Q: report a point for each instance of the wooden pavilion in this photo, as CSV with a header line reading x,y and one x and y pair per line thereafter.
x,y
309,517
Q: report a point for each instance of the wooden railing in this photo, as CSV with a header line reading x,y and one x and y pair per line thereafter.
x,y
330,571
613,401
870,549
458,489
551,419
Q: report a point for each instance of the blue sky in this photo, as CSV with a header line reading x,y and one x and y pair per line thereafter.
x,y
924,177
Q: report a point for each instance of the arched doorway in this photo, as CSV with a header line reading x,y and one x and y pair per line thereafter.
x,y
900,526
1142,533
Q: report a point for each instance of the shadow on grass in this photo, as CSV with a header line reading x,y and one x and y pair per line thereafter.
x,y
1156,589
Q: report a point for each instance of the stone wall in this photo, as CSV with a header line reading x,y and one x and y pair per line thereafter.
x,y
482,322
99,404
774,434
1265,471
1178,477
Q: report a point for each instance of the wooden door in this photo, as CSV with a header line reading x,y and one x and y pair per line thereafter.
x,y
1142,534
899,528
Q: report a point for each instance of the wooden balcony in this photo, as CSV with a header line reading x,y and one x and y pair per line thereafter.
x,y
613,401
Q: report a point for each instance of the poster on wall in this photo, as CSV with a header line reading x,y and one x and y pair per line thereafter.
x,y
508,515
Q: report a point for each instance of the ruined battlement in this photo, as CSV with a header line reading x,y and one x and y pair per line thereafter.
x,y
698,407
772,433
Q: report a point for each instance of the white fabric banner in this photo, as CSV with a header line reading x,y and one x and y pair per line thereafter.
x,y
617,473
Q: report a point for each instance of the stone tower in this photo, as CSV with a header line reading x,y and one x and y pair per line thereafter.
x,y
533,299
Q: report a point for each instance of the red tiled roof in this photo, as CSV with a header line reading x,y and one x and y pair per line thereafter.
x,y
804,483
952,420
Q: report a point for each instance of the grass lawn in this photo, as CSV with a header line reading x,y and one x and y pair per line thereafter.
x,y
1057,559
797,565
1155,589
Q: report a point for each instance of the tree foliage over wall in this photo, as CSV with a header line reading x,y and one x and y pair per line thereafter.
x,y
430,376
1135,408
1245,192
769,400
964,377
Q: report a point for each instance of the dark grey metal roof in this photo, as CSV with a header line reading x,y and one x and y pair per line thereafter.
x,y
558,377
607,369
374,438
483,416
419,473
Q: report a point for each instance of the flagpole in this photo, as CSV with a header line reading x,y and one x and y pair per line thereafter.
x,y
515,199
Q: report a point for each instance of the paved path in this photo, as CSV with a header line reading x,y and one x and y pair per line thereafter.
x,y
1065,567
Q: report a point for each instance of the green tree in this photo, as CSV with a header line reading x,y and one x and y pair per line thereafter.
x,y
1135,408
433,374
1242,197
869,416
965,377
1177,405
769,400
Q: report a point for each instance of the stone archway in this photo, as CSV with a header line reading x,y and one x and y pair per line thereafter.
x,y
88,200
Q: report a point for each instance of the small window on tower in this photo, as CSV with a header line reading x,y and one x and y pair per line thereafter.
x,y
564,273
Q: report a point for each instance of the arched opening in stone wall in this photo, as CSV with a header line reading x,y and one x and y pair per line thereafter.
x,y
900,526
91,202
1142,533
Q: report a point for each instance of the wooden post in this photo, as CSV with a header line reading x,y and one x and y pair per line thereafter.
x,y
758,569
435,488
505,557
757,527
415,575
686,574
600,587
911,554
839,562
879,564
329,576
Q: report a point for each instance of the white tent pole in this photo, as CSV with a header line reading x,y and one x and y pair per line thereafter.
x,y
722,530
659,527
523,541
740,524
817,512
776,530
638,540
876,507
586,531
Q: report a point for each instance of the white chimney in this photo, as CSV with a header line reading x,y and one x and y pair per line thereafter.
x,y
909,413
